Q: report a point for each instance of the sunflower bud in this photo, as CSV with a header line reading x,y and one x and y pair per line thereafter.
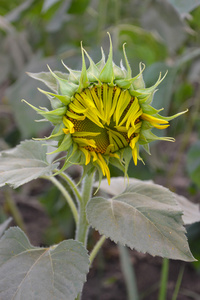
x,y
101,114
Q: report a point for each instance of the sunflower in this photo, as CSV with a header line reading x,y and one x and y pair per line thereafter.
x,y
101,114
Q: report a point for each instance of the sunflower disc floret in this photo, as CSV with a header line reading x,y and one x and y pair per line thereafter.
x,y
101,114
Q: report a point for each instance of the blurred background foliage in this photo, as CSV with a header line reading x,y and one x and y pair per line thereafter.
x,y
165,35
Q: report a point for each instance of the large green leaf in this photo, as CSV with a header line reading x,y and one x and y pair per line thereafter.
x,y
28,272
145,217
24,163
78,6
191,212
163,18
142,45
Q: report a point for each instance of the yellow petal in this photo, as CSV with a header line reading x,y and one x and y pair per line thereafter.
x,y
134,141
159,126
87,155
152,119
84,142
104,167
134,154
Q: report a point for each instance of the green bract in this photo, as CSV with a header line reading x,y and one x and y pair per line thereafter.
x,y
101,114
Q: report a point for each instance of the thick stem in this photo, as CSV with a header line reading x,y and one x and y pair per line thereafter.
x,y
83,226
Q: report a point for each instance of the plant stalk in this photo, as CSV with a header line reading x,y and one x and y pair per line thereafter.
x,y
71,184
164,279
96,248
15,212
66,196
178,283
83,226
129,274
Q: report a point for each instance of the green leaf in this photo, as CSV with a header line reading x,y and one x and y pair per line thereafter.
x,y
78,6
193,162
28,272
15,14
163,18
24,163
191,211
48,4
142,46
145,217
58,16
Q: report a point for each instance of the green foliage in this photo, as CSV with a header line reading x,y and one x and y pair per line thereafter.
x,y
145,217
190,211
78,7
24,163
163,18
143,45
28,271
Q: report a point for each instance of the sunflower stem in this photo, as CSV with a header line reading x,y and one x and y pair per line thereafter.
x,y
83,226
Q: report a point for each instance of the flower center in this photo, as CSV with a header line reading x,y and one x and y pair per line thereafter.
x,y
103,119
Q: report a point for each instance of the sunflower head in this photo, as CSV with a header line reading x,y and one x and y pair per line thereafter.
x,y
101,114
